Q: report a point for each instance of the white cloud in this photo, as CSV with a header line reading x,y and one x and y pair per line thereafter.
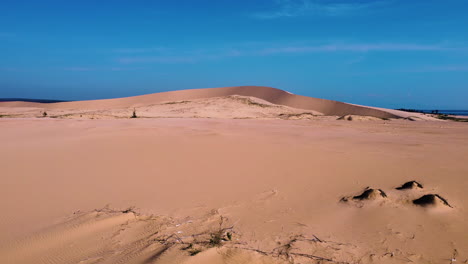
x,y
441,68
94,69
6,35
363,47
139,50
295,8
187,56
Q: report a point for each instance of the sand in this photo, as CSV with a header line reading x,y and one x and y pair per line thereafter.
x,y
230,188
268,94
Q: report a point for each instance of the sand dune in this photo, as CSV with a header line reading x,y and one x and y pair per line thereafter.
x,y
229,175
271,95
233,106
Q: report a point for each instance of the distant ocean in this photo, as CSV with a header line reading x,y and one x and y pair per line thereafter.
x,y
46,101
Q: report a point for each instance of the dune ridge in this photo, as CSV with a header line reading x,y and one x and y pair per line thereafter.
x,y
217,176
272,95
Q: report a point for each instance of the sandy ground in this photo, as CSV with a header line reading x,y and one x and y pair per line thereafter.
x,y
208,176
275,185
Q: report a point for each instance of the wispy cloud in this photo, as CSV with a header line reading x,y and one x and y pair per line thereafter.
x,y
140,50
355,60
10,69
295,8
161,59
6,35
79,69
363,47
187,56
440,68
184,57
93,69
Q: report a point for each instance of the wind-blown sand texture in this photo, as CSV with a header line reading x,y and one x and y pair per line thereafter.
x,y
228,190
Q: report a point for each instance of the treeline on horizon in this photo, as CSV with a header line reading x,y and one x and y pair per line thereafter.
x,y
419,111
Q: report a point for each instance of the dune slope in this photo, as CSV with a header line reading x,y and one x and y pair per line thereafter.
x,y
272,95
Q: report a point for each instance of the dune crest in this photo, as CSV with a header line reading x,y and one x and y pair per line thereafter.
x,y
268,94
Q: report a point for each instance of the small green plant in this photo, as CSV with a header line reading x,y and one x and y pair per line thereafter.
x,y
134,114
216,239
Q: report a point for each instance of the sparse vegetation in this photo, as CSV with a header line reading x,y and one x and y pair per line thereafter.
x,y
44,114
249,101
200,241
217,237
434,112
413,110
130,209
409,118
345,117
134,114
194,251
451,118
191,250
176,102
194,243
298,115
108,209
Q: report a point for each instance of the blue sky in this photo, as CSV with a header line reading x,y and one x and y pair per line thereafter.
x,y
388,53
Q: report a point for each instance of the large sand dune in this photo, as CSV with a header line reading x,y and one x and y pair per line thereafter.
x,y
271,95
227,190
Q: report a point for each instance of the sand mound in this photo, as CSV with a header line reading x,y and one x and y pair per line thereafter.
x,y
410,185
268,94
367,194
431,200
371,194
